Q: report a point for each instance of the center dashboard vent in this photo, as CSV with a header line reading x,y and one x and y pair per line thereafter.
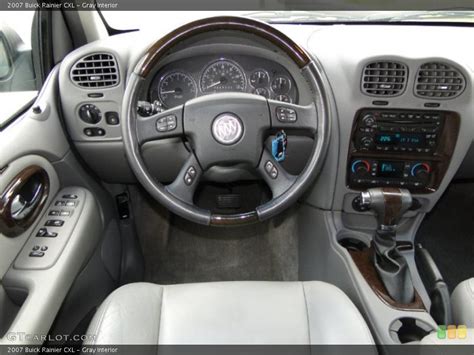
x,y
99,70
439,81
384,78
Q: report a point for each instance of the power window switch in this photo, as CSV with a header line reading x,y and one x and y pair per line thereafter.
x,y
44,233
54,223
36,254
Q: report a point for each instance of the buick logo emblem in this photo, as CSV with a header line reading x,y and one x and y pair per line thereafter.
x,y
227,129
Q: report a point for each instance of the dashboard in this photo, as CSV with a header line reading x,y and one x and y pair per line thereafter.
x,y
369,120
185,79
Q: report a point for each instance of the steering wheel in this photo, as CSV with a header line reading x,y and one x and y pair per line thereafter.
x,y
226,128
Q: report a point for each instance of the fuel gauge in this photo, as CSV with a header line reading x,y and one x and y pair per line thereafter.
x,y
283,98
281,85
259,78
262,92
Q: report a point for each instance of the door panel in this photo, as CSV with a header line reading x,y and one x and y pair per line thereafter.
x,y
11,245
32,140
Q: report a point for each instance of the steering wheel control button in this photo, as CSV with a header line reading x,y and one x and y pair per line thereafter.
x,y
54,213
70,197
227,129
286,114
35,248
44,248
54,223
167,123
190,175
271,169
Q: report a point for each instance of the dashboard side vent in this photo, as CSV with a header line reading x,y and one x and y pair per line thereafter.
x,y
97,70
384,78
439,81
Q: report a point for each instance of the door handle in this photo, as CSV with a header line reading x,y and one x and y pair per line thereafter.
x,y
23,200
21,206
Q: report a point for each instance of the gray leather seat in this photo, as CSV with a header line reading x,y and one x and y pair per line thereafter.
x,y
229,313
462,301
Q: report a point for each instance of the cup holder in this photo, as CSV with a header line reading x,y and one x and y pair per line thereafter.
x,y
407,330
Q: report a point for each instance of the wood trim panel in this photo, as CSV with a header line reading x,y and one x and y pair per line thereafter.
x,y
234,220
9,226
364,261
163,45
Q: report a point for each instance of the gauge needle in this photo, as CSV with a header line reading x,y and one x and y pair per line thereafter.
x,y
214,84
168,92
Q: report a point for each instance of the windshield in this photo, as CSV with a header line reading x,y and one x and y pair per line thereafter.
x,y
148,19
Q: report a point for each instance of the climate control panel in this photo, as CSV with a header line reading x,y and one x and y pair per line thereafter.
x,y
374,172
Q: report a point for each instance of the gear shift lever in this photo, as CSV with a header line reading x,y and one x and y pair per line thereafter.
x,y
389,204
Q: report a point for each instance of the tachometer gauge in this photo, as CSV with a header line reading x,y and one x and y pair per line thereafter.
x,y
176,88
222,76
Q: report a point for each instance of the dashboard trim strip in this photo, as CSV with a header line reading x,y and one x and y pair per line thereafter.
x,y
163,45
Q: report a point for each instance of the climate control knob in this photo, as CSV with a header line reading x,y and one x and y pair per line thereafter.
x,y
360,167
366,142
90,113
421,171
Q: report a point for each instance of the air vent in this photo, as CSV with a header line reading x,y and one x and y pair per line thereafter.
x,y
97,70
439,81
384,78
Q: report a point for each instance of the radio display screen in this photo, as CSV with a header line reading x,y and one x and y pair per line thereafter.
x,y
390,169
405,139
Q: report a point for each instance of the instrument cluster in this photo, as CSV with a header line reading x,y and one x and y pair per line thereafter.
x,y
185,79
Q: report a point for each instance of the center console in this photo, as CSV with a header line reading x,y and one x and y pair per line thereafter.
x,y
401,148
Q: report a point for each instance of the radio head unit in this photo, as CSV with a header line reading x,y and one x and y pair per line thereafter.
x,y
398,131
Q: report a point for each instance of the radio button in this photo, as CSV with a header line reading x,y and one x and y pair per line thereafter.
x,y
369,120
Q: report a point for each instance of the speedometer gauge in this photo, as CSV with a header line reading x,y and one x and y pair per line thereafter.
x,y
222,76
176,88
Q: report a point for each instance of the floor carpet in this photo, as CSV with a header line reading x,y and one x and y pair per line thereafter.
x,y
178,251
